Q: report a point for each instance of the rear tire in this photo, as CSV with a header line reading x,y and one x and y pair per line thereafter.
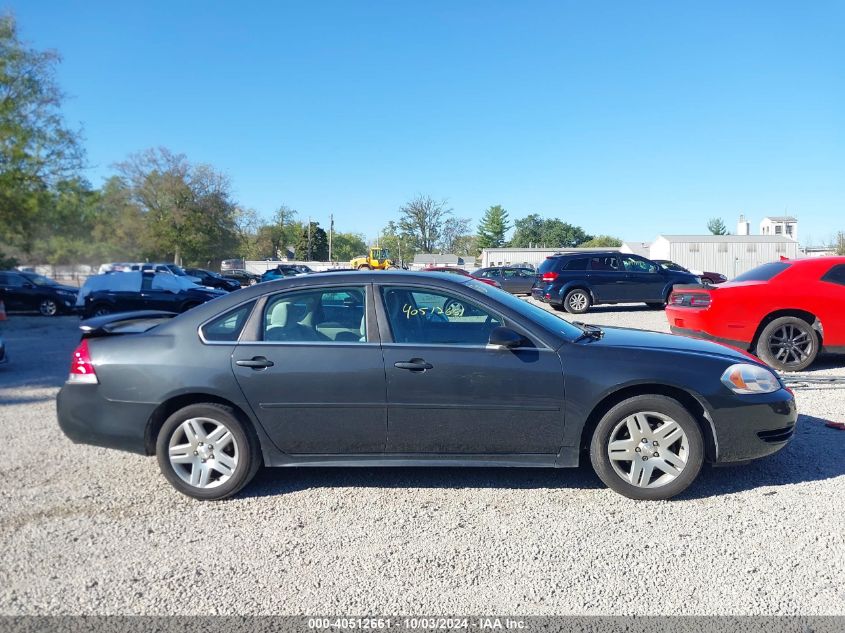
x,y
206,452
577,301
48,307
101,310
788,344
663,441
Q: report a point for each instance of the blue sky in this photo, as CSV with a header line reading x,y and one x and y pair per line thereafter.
x,y
628,118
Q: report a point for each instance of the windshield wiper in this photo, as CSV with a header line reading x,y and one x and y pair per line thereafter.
x,y
590,330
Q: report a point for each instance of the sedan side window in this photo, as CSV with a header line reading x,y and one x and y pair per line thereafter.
x,y
322,315
228,326
835,275
436,318
637,265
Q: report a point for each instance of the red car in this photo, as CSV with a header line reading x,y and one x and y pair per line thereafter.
x,y
463,273
786,312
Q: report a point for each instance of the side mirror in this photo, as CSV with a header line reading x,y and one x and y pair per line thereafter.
x,y
503,338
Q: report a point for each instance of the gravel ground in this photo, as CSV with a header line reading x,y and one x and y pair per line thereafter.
x,y
85,530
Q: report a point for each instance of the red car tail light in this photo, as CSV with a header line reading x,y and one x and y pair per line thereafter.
x,y
81,367
690,299
549,277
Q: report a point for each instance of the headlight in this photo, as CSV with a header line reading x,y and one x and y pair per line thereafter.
x,y
743,378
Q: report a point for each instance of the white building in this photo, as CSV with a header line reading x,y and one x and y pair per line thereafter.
x,y
726,254
527,256
784,225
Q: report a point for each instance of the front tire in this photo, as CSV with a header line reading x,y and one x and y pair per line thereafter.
x,y
788,344
577,301
647,447
206,452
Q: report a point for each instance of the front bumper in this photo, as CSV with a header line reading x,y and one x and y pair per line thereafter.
x,y
88,418
759,425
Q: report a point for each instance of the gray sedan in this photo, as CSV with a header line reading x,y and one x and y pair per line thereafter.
x,y
423,369
513,279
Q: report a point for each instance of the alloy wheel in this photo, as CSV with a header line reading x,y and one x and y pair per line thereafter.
x,y
791,344
648,449
578,301
203,452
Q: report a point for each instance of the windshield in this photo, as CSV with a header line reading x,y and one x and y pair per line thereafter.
x,y
764,272
176,270
530,311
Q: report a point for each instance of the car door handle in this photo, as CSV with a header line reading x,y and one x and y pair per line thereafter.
x,y
256,362
415,364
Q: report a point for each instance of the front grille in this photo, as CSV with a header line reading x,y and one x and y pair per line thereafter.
x,y
776,436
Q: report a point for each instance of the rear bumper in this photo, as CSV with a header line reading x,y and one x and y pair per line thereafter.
x,y
760,426
708,337
539,294
88,418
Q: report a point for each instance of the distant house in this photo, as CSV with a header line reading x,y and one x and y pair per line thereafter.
x,y
785,225
726,254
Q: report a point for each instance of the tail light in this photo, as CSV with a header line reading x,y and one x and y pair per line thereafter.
x,y
549,276
690,299
81,367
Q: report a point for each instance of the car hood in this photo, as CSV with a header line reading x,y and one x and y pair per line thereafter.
x,y
643,339
72,289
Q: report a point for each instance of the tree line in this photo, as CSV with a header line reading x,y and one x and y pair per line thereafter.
x,y
158,205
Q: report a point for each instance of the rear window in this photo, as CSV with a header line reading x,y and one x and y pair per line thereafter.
x,y
579,263
549,264
836,275
764,272
228,326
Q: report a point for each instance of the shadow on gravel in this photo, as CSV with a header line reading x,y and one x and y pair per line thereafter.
x,y
275,481
600,309
816,453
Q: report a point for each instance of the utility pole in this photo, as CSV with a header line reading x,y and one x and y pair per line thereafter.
x,y
331,231
309,238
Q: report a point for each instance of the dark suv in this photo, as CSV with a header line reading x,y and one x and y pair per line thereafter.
x,y
576,281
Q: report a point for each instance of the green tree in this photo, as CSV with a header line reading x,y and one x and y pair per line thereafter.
x,y
601,241
492,228
401,245
528,231
422,221
312,245
345,246
533,230
189,213
453,233
37,150
717,226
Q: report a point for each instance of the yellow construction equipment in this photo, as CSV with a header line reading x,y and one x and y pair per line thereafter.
x,y
377,259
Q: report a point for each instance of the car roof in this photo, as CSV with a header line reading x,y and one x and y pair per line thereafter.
x,y
583,254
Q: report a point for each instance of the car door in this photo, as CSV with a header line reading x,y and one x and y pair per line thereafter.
x,y
449,393
607,279
522,280
12,292
315,394
645,280
159,291
832,309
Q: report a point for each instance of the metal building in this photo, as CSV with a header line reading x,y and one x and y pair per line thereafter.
x,y
527,256
730,255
